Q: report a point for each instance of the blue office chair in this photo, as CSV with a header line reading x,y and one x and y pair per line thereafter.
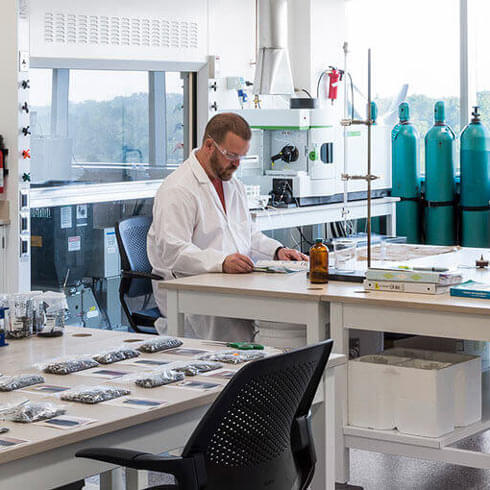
x,y
256,435
136,272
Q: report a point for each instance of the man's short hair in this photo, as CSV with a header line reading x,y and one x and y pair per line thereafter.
x,y
218,126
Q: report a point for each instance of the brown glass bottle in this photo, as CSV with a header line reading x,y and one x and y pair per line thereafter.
x,y
319,262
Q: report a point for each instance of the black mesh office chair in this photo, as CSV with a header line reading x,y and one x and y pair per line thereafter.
x,y
256,435
136,272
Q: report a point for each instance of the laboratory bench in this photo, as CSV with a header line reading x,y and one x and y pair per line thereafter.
x,y
331,310
47,458
417,314
279,218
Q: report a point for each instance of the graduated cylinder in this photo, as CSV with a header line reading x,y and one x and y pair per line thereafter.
x,y
475,184
405,150
440,183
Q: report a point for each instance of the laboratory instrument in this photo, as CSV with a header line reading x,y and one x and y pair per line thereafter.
x,y
296,155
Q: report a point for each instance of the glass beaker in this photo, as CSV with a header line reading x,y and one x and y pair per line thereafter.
x,y
345,254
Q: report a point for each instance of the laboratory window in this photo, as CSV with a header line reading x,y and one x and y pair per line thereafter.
x,y
415,57
479,68
105,126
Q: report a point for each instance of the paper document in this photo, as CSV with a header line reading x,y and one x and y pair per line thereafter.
x,y
281,266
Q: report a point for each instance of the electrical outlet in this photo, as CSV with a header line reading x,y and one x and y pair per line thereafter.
x,y
23,201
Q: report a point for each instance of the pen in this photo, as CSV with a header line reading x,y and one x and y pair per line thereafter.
x,y
408,268
431,269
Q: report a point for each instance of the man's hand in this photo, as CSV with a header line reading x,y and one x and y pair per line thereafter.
x,y
290,254
237,264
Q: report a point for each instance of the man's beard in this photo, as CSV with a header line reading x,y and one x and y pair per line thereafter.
x,y
223,173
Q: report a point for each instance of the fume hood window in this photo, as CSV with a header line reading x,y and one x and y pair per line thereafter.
x,y
174,118
108,121
105,126
415,57
40,96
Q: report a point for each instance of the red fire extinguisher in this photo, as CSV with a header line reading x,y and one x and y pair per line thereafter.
x,y
334,79
3,155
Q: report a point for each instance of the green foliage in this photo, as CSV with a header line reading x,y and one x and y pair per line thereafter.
x,y
101,130
422,111
483,100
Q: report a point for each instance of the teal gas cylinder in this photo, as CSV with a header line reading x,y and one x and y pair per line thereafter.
x,y
475,183
373,112
440,182
405,175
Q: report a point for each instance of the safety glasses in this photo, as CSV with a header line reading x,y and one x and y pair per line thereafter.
x,y
232,157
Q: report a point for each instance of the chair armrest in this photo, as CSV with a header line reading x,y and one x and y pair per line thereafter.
x,y
140,275
119,457
301,434
304,447
190,472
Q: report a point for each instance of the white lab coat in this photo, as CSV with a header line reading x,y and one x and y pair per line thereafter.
x,y
191,234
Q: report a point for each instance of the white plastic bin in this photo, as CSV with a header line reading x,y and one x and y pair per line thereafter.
x,y
466,383
372,390
281,335
425,398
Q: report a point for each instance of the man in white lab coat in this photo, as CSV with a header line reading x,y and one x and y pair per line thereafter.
x,y
201,223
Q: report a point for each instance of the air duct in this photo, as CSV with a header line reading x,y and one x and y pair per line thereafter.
x,y
273,70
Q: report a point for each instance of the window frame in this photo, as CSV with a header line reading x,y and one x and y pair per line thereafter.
x,y
157,115
464,81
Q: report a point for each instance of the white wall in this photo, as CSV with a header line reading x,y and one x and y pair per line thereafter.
x,y
14,37
232,36
317,32
328,33
300,42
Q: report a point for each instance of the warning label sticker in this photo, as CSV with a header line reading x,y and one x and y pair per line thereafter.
x,y
74,243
